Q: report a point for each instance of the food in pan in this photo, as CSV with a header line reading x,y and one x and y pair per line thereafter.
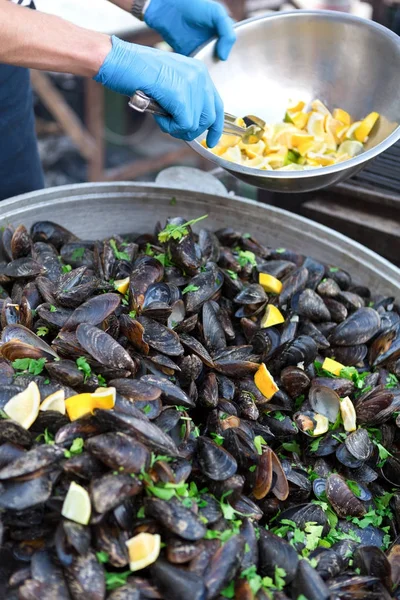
x,y
194,417
306,139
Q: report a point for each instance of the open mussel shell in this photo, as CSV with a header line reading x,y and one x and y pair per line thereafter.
x,y
24,341
325,401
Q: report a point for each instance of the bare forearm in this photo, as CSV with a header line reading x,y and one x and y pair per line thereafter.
x,y
40,41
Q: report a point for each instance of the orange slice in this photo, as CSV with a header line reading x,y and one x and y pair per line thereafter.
x,y
265,382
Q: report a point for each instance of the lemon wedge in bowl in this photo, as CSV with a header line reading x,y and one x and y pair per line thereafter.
x,y
77,506
24,407
143,550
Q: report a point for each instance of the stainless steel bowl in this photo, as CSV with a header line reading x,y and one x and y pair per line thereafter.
x,y
343,60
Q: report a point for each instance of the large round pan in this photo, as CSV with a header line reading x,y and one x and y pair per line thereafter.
x,y
100,209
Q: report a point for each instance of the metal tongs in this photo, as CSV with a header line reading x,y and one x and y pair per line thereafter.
x,y
250,134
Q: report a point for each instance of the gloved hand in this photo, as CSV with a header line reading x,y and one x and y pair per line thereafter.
x,y
182,86
186,24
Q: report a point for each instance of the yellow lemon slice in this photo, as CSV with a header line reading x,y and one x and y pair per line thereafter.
x,y
83,404
233,155
362,132
351,148
301,138
104,397
77,506
348,413
350,133
265,382
24,407
291,167
316,126
270,283
296,107
322,160
272,316
79,405
55,402
253,150
319,107
122,285
332,366
143,550
322,424
342,115
300,119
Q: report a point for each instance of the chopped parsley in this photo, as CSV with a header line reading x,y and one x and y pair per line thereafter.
x,y
53,308
132,314
232,274
218,439
391,381
42,331
190,288
84,366
258,443
117,253
76,448
29,365
47,437
246,257
177,232
78,253
66,268
278,415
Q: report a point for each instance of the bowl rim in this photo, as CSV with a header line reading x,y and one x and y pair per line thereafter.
x,y
355,162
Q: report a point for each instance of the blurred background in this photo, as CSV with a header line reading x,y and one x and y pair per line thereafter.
x,y
87,133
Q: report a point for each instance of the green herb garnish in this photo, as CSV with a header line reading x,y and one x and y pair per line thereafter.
x,y
190,288
117,253
78,253
66,268
218,439
29,365
232,274
258,443
177,232
47,437
84,366
76,448
42,331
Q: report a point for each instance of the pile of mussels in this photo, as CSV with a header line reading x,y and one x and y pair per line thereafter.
x,y
251,498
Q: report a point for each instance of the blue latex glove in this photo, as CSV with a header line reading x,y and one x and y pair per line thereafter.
x,y
182,86
187,24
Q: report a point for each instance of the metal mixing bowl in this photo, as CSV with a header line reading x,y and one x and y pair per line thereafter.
x,y
343,60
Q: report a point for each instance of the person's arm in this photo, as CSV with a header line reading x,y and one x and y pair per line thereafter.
x,y
187,24
182,86
40,41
